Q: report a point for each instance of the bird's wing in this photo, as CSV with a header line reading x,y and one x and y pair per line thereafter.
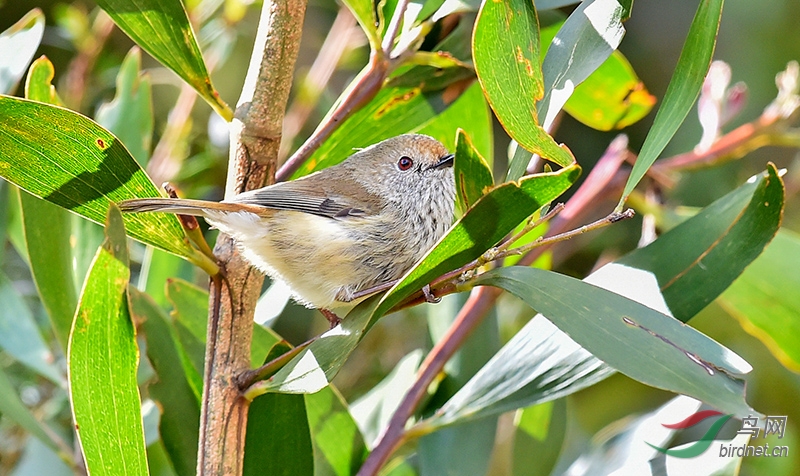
x,y
310,198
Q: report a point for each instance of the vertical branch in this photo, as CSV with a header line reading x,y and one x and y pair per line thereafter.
x,y
255,141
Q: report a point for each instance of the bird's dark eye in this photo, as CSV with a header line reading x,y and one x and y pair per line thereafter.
x,y
405,163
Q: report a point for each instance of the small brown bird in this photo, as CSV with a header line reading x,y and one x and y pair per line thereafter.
x,y
345,229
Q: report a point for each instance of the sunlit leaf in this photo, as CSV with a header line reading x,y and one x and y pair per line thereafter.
x,y
69,160
612,97
364,11
538,437
103,359
505,49
338,444
162,28
589,36
18,44
683,89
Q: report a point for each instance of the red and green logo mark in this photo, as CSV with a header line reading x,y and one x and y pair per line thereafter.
x,y
701,445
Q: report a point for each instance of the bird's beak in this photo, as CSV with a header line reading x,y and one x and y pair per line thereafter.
x,y
446,161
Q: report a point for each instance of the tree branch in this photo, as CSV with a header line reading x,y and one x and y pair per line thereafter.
x,y
255,142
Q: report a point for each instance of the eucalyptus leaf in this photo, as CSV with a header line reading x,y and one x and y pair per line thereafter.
x,y
162,28
472,174
692,264
103,354
67,159
505,50
683,89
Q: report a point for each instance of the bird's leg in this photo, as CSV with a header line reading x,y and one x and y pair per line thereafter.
x,y
331,316
429,297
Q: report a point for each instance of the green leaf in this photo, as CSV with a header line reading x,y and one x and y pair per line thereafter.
x,y
12,408
683,89
472,173
48,229
485,224
102,360
157,268
588,37
69,160
696,260
338,444
638,341
179,404
469,110
129,116
18,44
364,11
538,438
765,301
37,458
612,97
20,337
162,28
279,441
724,237
505,49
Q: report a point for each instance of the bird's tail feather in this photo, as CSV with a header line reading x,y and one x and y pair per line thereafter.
x,y
179,205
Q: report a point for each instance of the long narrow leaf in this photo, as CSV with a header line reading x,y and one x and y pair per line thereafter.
x,y
683,89
103,358
162,28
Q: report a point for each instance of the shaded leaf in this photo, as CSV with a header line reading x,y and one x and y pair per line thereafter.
x,y
12,408
20,337
765,301
505,49
541,363
162,28
179,404
18,44
612,97
69,160
538,438
636,340
278,437
472,174
129,116
683,89
37,458
103,359
465,448
373,410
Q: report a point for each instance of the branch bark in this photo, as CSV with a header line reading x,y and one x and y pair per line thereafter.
x,y
255,142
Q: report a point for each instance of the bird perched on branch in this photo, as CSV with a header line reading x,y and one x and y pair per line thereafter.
x,y
333,235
